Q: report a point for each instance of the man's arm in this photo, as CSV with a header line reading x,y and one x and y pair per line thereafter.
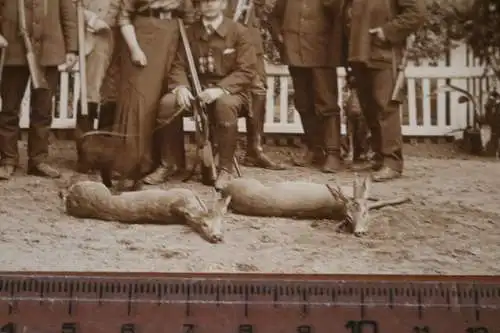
x,y
69,25
177,76
276,21
246,59
410,18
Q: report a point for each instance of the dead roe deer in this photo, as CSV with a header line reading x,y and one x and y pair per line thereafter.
x,y
88,199
295,199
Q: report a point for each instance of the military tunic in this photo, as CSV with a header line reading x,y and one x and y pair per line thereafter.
x,y
303,31
373,61
52,26
225,59
254,27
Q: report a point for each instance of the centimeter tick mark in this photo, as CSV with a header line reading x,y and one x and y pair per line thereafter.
x,y
448,300
362,302
246,301
391,298
305,309
188,297
275,297
217,296
476,302
420,307
11,303
70,302
129,303
42,287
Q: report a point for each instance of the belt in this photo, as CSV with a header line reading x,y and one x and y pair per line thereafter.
x,y
156,13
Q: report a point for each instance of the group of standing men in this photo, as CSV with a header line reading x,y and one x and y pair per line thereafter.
x,y
138,76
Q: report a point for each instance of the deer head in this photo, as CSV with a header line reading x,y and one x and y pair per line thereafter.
x,y
209,222
357,208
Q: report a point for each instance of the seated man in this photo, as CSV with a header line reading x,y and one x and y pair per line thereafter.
x,y
225,61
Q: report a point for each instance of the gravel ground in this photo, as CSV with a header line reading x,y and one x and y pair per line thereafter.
x,y
450,227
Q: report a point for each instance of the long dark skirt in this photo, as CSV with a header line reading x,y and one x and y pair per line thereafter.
x,y
142,87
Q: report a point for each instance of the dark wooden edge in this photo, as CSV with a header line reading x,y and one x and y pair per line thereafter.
x,y
255,276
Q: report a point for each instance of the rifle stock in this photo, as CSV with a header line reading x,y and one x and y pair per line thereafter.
x,y
199,111
400,79
36,71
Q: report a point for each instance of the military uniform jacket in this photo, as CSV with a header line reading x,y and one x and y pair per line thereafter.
x,y
397,18
52,25
106,10
130,7
253,22
225,59
307,30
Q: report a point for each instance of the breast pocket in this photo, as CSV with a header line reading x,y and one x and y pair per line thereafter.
x,y
228,60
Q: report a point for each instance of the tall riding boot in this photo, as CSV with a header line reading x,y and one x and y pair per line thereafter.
x,y
107,116
255,155
227,143
84,124
314,154
331,138
170,140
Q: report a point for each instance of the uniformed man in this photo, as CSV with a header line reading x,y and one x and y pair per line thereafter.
x,y
255,118
303,30
225,60
374,34
102,34
53,29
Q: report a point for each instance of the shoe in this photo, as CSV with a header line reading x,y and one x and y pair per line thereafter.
x,y
160,175
6,172
386,174
332,164
43,170
370,165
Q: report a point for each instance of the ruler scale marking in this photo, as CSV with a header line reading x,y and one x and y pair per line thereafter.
x,y
229,304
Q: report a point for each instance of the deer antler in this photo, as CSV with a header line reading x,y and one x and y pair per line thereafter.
x,y
389,202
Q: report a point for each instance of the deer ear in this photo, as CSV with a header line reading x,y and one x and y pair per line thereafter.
x,y
366,187
222,204
356,187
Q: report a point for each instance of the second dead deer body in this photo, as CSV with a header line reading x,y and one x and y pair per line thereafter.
x,y
296,199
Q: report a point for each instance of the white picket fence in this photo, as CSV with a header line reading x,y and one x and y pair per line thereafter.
x,y
423,114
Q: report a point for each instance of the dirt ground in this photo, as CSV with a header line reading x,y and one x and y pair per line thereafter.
x,y
450,227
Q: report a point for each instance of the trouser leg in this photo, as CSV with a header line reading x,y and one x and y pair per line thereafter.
x,y
167,140
255,155
328,112
226,110
12,90
304,103
40,126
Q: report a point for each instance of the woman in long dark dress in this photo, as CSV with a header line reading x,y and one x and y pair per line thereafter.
x,y
151,34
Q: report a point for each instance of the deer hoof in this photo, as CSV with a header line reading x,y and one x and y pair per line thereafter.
x,y
360,233
215,239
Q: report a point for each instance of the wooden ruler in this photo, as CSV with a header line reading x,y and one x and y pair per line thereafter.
x,y
247,303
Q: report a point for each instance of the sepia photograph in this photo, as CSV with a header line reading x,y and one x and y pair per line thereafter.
x,y
201,166
318,136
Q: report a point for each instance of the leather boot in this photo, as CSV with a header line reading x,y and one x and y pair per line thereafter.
x,y
170,163
314,154
107,116
331,139
84,124
227,144
255,155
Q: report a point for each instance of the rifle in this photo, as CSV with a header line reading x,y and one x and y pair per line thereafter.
x,y
243,7
36,71
200,115
399,83
82,64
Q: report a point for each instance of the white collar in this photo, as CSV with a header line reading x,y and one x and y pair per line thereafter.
x,y
215,23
